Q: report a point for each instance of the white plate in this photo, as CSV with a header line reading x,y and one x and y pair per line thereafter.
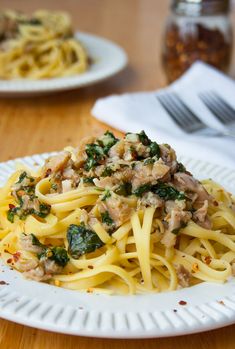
x,y
55,309
108,59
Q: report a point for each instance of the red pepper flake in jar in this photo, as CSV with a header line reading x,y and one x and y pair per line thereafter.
x,y
182,303
199,30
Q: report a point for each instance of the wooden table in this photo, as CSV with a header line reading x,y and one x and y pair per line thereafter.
x,y
41,124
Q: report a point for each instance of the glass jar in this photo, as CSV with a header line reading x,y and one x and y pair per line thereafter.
x,y
197,30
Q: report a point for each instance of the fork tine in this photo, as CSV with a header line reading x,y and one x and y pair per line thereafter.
x,y
186,110
213,108
217,106
182,119
180,113
183,116
224,105
170,111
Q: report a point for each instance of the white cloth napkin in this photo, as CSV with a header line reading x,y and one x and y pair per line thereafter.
x,y
133,112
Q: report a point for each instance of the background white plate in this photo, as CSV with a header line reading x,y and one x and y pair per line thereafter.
x,y
108,59
47,307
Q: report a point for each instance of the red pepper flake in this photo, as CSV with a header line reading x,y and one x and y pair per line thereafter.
x,y
3,283
48,172
10,260
11,206
16,256
208,260
90,267
195,267
182,303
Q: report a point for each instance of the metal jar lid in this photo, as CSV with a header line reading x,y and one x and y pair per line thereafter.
x,y
200,7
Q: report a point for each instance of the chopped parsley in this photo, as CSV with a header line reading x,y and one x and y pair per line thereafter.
x,y
107,194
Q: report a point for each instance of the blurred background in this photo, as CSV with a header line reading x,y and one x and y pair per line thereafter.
x,y
137,25
127,22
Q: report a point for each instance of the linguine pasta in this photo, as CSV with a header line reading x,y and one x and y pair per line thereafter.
x,y
117,216
39,46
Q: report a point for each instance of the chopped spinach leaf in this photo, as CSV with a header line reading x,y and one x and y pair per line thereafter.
x,y
154,150
108,140
124,189
107,172
82,240
177,230
54,186
149,161
35,241
167,192
105,217
180,167
24,175
10,216
144,138
88,180
95,154
142,189
57,254
27,192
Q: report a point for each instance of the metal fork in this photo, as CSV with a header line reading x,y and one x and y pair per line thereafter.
x,y
219,108
185,118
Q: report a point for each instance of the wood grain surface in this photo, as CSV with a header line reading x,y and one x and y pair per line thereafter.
x,y
41,124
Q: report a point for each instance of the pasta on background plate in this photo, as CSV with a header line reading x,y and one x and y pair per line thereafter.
x,y
39,46
118,216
